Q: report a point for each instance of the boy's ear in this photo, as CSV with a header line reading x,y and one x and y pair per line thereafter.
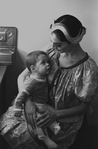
x,y
32,68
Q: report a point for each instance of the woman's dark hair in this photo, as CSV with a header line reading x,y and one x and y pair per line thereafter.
x,y
32,58
73,26
60,36
72,23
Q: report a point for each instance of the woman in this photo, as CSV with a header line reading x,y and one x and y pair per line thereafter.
x,y
74,83
74,80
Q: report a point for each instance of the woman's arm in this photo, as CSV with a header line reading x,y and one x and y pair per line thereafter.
x,y
51,115
74,111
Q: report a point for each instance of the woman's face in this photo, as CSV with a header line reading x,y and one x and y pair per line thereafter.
x,y
58,45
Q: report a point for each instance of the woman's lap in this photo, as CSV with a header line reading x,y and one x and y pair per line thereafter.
x,y
16,133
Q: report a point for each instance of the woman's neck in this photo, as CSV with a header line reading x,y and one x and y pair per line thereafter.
x,y
71,57
74,50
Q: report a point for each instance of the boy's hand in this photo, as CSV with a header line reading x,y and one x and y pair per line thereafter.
x,y
18,112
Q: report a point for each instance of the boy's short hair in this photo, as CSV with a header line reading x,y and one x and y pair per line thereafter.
x,y
32,58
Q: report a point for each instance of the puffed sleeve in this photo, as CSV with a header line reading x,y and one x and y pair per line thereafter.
x,y
87,82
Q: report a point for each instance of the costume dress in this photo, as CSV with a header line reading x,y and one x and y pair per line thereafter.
x,y
70,87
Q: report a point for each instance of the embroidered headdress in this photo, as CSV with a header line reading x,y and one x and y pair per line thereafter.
x,y
64,29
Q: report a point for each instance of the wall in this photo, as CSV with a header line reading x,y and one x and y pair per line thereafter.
x,y
33,17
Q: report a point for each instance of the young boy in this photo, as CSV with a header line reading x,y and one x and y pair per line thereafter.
x,y
36,86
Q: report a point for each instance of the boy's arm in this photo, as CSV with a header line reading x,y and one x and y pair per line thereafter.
x,y
22,77
26,91
19,103
21,99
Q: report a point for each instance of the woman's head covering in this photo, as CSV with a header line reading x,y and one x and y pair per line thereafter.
x,y
71,27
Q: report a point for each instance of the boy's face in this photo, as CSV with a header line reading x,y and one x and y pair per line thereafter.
x,y
42,66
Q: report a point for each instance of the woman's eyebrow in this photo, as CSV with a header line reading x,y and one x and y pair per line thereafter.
x,y
55,42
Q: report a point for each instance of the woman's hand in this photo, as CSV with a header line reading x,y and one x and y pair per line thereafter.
x,y
30,113
47,117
